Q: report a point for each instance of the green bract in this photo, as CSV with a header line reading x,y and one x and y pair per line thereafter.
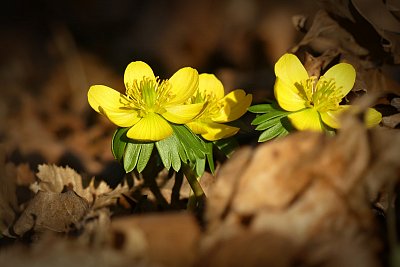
x,y
181,147
273,121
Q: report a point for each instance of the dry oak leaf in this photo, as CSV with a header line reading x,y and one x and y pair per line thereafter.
x,y
326,34
53,179
308,188
380,15
51,211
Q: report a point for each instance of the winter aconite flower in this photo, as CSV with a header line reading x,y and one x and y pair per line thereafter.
x,y
218,109
149,103
314,102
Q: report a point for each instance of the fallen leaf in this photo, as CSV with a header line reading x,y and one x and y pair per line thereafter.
x,y
392,121
326,34
379,15
310,189
53,179
57,212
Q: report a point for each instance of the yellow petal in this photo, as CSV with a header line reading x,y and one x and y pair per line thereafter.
x,y
215,131
183,83
307,119
197,127
150,128
344,75
288,96
238,102
182,114
332,117
290,70
372,117
211,85
110,103
136,71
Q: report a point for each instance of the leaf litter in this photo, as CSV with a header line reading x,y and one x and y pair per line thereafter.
x,y
302,200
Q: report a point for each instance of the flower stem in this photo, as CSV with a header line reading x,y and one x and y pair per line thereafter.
x,y
197,195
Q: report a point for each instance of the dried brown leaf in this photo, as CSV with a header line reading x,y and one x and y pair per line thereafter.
x,y
326,34
391,121
51,211
54,179
379,15
310,189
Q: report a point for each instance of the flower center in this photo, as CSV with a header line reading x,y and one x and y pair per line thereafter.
x,y
212,105
322,94
149,95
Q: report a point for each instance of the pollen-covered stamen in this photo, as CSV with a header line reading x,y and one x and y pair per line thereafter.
x,y
149,95
140,94
327,95
164,93
307,89
211,107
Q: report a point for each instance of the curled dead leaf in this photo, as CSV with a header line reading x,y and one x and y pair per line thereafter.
x,y
57,212
53,179
309,189
326,34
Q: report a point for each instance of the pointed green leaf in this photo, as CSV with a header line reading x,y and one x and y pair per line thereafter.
x,y
164,147
227,145
210,158
131,156
200,166
268,124
168,149
271,133
175,158
193,146
261,108
144,156
270,115
118,144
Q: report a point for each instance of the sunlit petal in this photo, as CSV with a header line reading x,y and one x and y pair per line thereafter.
x,y
122,118
344,75
111,104
150,128
332,117
288,96
181,114
238,102
216,131
136,71
307,119
197,127
211,85
104,96
290,70
183,84
372,117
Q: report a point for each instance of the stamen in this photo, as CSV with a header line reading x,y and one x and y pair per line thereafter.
x,y
149,95
307,89
327,96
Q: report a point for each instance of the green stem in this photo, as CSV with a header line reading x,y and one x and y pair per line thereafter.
x,y
197,195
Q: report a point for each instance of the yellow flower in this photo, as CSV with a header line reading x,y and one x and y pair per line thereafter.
x,y
218,109
314,101
149,103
